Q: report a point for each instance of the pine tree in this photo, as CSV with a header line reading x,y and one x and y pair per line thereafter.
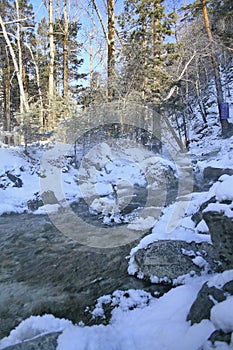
x,y
67,61
147,53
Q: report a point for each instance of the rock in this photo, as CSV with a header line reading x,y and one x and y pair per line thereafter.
x,y
38,201
220,336
212,174
228,287
198,216
172,259
49,197
44,342
204,302
220,227
221,230
16,180
34,204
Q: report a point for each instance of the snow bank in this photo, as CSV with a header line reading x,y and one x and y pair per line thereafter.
x,y
221,315
32,327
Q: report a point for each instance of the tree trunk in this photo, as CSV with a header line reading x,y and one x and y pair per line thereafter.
x,y
214,59
20,59
111,48
7,98
16,66
6,84
51,67
144,61
65,51
41,120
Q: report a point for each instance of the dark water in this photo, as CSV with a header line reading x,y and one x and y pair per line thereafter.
x,y
43,271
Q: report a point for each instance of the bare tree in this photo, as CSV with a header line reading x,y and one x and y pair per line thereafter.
x,y
18,71
110,39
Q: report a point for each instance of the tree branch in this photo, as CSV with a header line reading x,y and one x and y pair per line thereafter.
x,y
171,92
101,21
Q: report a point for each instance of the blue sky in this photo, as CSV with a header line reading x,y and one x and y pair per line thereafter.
x,y
41,11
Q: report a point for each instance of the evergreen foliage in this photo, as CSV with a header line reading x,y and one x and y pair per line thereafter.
x,y
162,57
147,51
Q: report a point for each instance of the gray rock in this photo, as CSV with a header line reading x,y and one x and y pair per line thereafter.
x,y
212,174
198,216
15,179
221,230
34,204
220,336
49,197
172,259
44,342
228,287
204,302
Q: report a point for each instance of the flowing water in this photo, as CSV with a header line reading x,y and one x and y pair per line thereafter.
x,y
43,271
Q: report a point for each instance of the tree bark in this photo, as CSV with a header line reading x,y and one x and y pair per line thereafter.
x,y
16,66
101,20
20,59
41,120
65,51
214,59
111,47
7,94
51,66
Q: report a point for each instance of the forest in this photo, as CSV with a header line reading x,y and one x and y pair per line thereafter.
x,y
61,57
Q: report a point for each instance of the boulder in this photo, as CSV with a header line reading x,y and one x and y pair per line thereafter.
x,y
49,197
220,336
15,179
34,204
204,302
198,215
207,297
221,230
212,174
170,259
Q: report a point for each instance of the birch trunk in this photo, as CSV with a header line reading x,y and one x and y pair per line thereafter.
x,y
23,98
20,60
7,97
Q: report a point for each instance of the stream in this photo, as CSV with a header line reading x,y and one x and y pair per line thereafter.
x,y
43,271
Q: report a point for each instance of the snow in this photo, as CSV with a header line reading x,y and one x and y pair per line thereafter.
x,y
160,325
221,315
224,190
13,199
138,320
153,323
144,328
218,280
33,327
